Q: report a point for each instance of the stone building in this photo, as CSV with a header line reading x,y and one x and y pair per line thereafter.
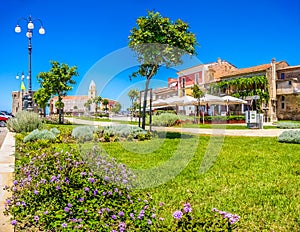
x,y
288,92
19,101
283,84
76,104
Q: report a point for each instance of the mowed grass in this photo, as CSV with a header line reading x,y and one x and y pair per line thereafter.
x,y
256,178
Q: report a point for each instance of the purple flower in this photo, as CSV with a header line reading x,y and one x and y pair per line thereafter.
x,y
121,213
23,204
18,203
64,225
86,189
58,187
83,173
161,219
67,209
149,222
95,192
106,178
46,212
43,181
81,199
36,218
161,204
92,180
114,217
36,192
177,214
13,222
53,178
153,215
8,201
187,208
15,182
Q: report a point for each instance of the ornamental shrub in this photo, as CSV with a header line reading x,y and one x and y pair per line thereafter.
x,y
69,192
84,133
123,131
24,121
288,125
165,119
290,136
42,134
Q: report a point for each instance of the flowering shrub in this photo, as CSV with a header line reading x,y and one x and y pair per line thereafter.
x,y
60,192
42,134
24,121
291,136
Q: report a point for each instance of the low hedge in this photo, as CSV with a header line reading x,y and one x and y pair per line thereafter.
x,y
291,136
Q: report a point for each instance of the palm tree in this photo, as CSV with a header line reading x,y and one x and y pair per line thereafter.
x,y
198,94
97,100
105,102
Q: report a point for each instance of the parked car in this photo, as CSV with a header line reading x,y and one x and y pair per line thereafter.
x,y
3,120
5,113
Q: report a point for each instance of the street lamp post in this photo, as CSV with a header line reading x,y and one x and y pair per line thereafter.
x,y
29,33
22,87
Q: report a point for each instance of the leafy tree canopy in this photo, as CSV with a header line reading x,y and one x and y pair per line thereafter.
x,y
158,41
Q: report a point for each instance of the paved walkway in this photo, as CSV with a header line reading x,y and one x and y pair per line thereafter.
x,y
227,132
7,161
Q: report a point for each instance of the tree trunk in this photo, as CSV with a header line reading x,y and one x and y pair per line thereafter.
x,y
145,103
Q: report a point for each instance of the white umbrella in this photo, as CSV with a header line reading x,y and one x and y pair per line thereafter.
x,y
233,100
229,100
160,102
185,100
211,99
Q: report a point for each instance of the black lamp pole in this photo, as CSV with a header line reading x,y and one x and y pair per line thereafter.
x,y
29,33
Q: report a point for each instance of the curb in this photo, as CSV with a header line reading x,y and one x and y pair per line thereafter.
x,y
7,167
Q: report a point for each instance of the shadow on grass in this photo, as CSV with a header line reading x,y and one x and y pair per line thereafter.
x,y
173,135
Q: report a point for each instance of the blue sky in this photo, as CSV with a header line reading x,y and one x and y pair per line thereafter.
x,y
90,33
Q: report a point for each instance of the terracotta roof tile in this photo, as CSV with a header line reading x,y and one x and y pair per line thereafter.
x,y
241,71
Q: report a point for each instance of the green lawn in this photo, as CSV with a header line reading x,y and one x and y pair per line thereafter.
x,y
255,178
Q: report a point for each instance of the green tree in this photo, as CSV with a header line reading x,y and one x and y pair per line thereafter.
x,y
88,103
133,94
58,81
41,97
105,102
116,108
97,100
198,94
157,41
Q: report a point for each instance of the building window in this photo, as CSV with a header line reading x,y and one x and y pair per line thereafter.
x,y
196,78
290,82
282,102
282,76
183,86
